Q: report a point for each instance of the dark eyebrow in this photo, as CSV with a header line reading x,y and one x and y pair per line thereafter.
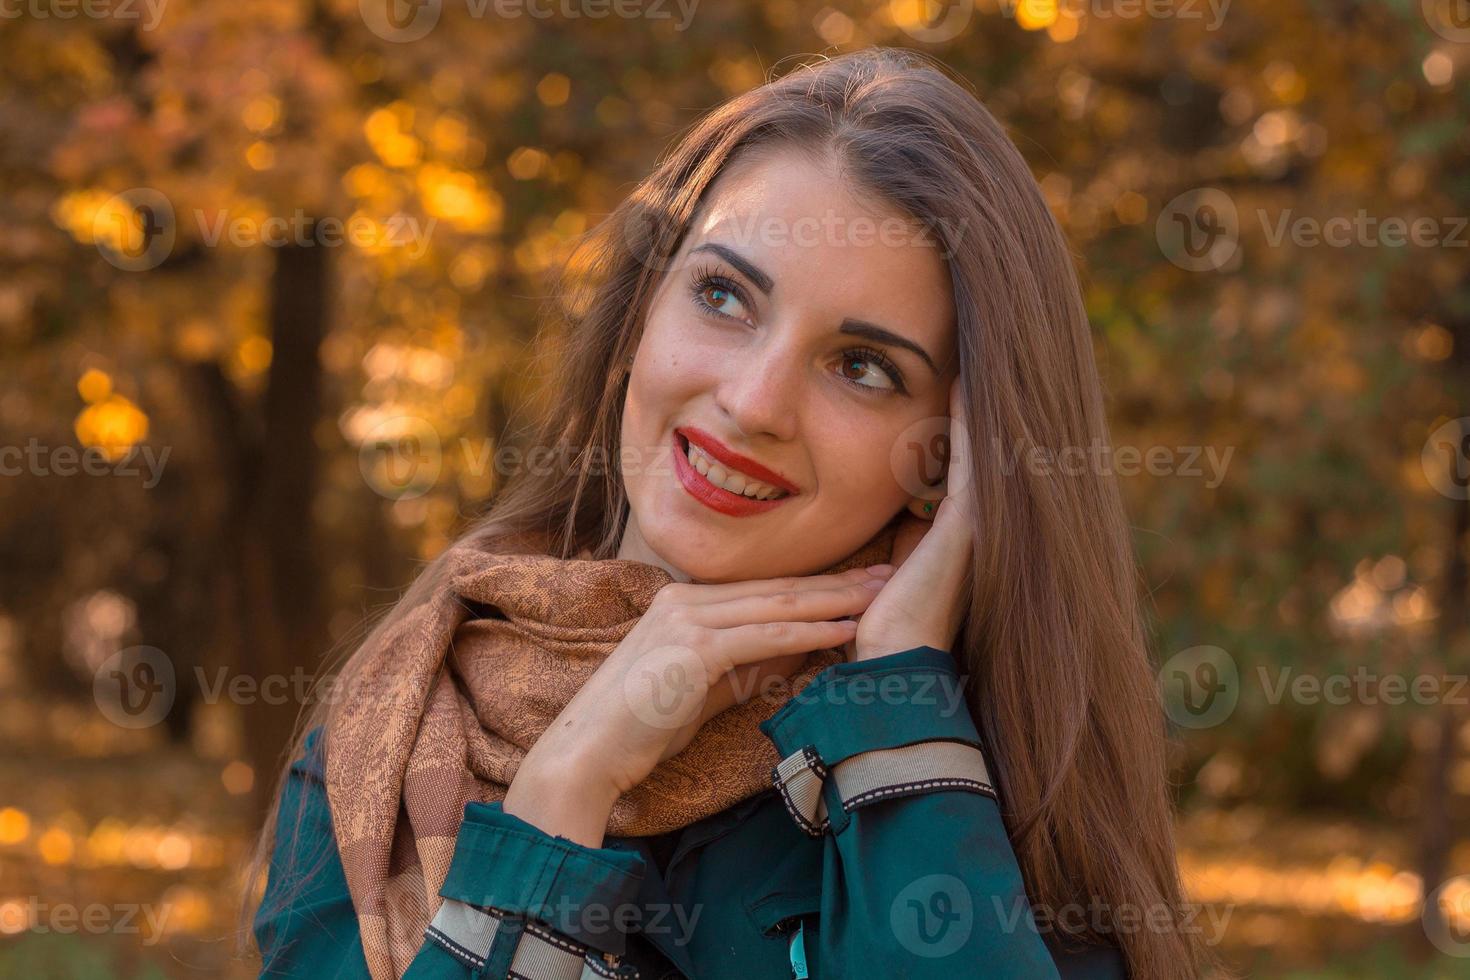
x,y
762,281
872,331
857,328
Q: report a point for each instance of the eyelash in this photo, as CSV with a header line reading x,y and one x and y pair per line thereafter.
x,y
706,277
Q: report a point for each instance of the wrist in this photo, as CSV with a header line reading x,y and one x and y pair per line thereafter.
x,y
873,649
561,799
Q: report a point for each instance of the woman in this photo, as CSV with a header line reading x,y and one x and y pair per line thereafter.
x,y
708,699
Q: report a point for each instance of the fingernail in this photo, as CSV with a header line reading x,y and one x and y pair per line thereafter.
x,y
884,569
875,583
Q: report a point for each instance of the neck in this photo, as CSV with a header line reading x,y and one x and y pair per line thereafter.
x,y
632,545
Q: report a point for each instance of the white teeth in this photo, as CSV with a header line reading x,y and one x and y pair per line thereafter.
x,y
731,480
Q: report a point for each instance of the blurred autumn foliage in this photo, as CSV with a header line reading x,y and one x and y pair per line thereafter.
x,y
252,251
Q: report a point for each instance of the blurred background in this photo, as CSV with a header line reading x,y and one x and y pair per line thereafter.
x,y
269,270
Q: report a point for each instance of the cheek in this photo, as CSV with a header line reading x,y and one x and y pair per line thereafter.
x,y
854,468
671,371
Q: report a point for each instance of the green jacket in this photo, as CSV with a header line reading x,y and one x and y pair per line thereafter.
x,y
878,851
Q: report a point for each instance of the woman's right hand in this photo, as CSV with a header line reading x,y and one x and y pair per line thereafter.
x,y
697,650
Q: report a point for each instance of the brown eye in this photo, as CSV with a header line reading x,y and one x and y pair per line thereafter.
x,y
857,365
715,296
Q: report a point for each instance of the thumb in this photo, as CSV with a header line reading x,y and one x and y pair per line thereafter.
x,y
911,531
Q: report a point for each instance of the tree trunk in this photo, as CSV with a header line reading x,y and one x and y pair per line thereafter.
x,y
1436,832
283,579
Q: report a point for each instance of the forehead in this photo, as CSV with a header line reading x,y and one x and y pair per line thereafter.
x,y
828,244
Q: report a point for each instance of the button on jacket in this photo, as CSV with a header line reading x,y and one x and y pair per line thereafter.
x,y
878,851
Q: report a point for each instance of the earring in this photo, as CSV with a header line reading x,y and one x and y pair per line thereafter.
x,y
922,509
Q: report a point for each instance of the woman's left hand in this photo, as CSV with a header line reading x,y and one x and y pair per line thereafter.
x,y
928,595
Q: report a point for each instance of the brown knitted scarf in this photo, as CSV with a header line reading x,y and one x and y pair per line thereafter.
x,y
446,704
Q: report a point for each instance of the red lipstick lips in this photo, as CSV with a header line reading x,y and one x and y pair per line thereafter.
x,y
718,498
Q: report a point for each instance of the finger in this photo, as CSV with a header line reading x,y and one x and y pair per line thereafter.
x,y
752,642
804,605
958,476
711,593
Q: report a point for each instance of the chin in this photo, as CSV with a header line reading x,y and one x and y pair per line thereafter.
x,y
698,559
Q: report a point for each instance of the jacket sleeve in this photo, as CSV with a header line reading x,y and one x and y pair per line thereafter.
x,y
881,758
515,899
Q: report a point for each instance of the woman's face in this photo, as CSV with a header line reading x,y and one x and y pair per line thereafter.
x,y
801,328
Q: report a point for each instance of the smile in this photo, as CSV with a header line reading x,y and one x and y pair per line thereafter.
x,y
720,479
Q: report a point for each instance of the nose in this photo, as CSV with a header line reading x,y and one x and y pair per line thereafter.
x,y
760,390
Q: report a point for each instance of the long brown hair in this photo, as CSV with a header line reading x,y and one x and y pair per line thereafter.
x,y
1062,687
